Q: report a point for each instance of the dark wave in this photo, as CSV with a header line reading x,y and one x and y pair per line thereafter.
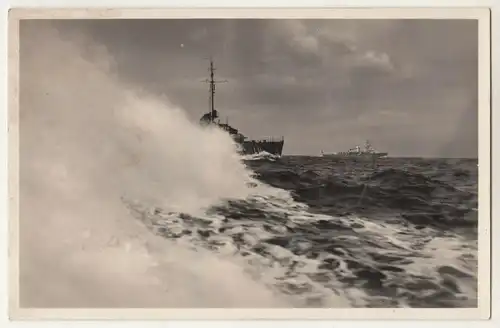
x,y
419,192
372,235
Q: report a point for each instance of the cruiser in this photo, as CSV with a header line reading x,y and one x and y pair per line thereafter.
x,y
356,152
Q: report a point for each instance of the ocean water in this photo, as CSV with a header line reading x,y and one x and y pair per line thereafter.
x,y
401,234
111,215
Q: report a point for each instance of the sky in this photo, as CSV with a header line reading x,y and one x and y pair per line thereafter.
x,y
409,86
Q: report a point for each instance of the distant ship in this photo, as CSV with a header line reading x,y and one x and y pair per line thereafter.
x,y
272,146
356,152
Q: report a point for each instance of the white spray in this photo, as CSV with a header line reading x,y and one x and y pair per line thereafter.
x,y
88,140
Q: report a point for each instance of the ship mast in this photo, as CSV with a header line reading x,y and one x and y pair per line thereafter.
x,y
212,83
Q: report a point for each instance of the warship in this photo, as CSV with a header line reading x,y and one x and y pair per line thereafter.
x,y
357,152
271,145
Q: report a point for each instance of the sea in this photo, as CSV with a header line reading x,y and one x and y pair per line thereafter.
x,y
126,202
400,232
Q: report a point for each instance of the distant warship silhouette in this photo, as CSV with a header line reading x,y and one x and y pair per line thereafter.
x,y
272,146
356,152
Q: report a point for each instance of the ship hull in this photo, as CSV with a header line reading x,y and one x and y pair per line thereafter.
x,y
244,146
251,147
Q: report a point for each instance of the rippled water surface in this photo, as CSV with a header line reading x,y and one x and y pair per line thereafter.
x,y
400,233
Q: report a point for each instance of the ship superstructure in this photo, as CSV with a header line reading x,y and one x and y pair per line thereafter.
x,y
271,145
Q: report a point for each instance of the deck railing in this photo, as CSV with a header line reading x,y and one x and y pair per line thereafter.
x,y
271,139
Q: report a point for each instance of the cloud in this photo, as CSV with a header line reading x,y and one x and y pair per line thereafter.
x,y
376,59
311,77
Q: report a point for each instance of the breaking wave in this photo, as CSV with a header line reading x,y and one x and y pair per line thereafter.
x,y
89,141
260,156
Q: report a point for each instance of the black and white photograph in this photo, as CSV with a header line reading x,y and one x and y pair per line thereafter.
x,y
250,163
